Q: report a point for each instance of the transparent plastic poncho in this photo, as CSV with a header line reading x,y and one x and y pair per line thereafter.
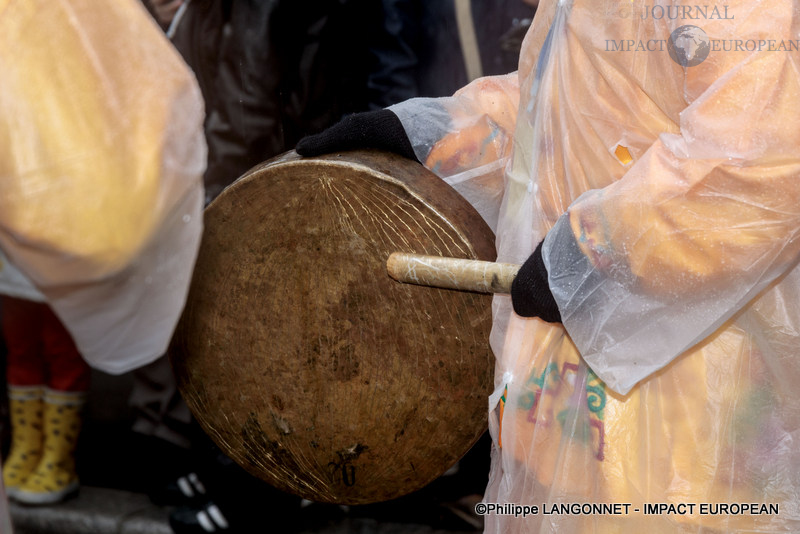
x,y
674,378
101,161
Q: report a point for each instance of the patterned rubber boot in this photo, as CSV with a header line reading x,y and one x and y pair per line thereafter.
x,y
55,478
25,407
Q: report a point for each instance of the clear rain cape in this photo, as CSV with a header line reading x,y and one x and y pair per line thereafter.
x,y
674,379
101,158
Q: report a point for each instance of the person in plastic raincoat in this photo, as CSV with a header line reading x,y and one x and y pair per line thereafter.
x,y
101,162
661,200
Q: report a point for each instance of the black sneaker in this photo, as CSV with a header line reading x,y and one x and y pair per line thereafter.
x,y
199,520
186,490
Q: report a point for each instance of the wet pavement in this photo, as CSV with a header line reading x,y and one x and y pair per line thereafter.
x,y
110,511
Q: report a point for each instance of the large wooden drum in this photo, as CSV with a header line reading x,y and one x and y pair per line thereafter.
x,y
303,360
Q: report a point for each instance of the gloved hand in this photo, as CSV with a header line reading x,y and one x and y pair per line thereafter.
x,y
530,291
372,129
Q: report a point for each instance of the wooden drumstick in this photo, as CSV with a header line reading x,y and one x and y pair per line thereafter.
x,y
452,273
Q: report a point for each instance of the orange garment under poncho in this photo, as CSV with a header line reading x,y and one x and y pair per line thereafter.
x,y
674,376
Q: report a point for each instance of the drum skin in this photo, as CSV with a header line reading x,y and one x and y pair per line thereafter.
x,y
303,360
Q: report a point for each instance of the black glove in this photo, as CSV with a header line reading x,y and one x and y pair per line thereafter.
x,y
530,291
372,129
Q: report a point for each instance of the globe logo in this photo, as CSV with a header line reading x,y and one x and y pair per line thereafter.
x,y
688,46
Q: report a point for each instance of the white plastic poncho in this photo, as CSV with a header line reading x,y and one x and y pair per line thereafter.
x,y
101,159
674,379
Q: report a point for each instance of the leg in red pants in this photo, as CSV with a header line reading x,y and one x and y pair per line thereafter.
x,y
22,326
48,380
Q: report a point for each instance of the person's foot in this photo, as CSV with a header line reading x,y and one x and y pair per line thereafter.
x,y
199,520
235,501
55,477
185,490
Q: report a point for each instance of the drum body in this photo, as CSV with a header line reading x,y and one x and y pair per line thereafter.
x,y
303,360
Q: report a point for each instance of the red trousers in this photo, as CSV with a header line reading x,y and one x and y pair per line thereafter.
x,y
40,349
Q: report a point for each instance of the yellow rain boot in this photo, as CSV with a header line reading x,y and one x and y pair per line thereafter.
x,y
55,478
25,407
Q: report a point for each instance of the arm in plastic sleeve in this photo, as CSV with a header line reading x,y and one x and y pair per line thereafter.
x,y
704,221
466,139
